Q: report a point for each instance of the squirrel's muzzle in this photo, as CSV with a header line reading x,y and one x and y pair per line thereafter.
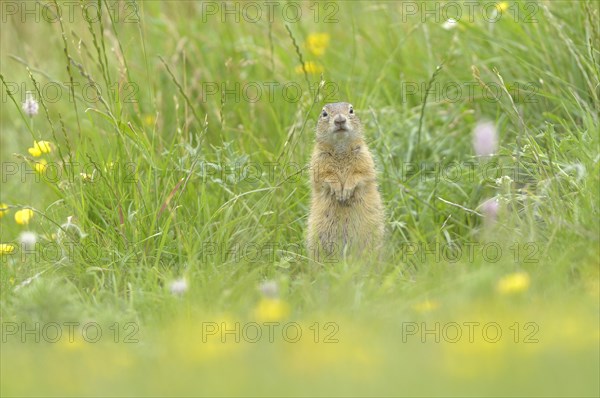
x,y
340,122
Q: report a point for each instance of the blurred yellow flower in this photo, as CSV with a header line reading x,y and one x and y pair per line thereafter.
x,y
271,309
311,67
205,340
6,248
40,147
3,209
593,286
477,358
426,306
23,216
513,283
347,347
40,166
503,6
317,43
72,343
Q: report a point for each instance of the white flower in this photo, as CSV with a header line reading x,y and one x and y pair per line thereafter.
x,y
485,139
30,106
178,287
28,240
503,180
70,229
269,289
450,23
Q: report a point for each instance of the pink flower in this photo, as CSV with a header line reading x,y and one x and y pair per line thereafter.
x,y
485,139
489,209
30,106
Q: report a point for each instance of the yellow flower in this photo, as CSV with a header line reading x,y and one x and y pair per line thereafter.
x,y
271,309
6,248
35,151
317,43
23,216
3,209
503,6
40,147
45,146
85,177
149,120
426,306
311,67
108,167
513,283
40,166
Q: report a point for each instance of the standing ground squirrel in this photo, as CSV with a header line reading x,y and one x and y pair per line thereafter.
x,y
346,212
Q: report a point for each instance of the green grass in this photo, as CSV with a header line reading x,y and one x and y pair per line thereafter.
x,y
151,187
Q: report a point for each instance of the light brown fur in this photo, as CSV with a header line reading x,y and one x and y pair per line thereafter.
x,y
346,214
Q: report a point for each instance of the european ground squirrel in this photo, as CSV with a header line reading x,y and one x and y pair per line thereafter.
x,y
346,212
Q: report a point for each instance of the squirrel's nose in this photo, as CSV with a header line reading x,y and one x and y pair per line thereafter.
x,y
339,120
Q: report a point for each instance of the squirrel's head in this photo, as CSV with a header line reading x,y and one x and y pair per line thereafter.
x,y
338,124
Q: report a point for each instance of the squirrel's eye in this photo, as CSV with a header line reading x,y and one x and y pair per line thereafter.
x,y
351,110
324,114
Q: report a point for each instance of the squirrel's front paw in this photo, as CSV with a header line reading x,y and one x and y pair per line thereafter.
x,y
344,194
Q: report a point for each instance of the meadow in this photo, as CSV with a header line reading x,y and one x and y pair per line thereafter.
x,y
155,192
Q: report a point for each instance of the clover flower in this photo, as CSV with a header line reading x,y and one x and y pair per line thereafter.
x,y
269,289
30,106
489,209
485,139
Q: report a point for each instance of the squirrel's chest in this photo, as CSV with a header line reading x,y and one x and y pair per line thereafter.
x,y
340,165
334,170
